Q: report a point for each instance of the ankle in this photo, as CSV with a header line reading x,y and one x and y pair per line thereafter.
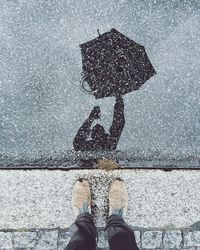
x,y
85,208
118,212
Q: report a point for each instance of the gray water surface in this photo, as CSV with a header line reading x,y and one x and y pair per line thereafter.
x,y
41,102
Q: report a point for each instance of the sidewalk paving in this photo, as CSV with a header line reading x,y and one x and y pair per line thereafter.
x,y
57,239
35,207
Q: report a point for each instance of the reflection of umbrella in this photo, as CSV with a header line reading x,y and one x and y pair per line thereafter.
x,y
114,64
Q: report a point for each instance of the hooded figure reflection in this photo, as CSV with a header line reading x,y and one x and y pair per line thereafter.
x,y
100,140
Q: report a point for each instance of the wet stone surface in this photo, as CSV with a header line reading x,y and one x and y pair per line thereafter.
x,y
47,239
5,240
57,239
172,239
25,239
152,239
137,238
102,240
63,238
192,239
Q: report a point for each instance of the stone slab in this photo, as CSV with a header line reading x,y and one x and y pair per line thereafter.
x,y
25,239
152,239
42,198
5,240
57,239
172,239
192,239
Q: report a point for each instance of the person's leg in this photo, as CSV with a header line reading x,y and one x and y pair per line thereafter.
x,y
120,235
83,231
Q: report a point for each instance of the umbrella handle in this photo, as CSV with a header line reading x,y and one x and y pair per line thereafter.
x,y
84,88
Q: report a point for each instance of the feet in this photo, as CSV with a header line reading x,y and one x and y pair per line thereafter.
x,y
81,197
118,198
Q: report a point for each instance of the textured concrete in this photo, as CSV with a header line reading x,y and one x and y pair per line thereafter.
x,y
47,239
42,199
152,239
5,240
172,240
25,239
192,239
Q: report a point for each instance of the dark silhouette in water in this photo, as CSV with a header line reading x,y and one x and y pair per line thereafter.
x,y
100,139
113,65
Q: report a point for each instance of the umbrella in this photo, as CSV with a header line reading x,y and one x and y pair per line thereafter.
x,y
113,64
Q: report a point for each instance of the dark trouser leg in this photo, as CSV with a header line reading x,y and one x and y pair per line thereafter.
x,y
120,235
83,233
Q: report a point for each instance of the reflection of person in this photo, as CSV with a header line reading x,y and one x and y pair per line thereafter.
x,y
83,231
100,140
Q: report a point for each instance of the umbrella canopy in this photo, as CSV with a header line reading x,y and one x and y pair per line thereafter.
x,y
113,64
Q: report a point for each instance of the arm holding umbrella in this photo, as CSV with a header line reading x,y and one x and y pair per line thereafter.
x,y
118,122
80,141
